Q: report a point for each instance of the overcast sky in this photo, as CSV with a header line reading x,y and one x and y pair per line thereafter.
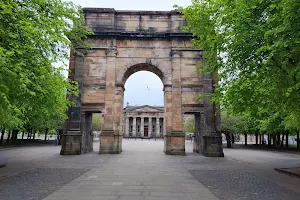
x,y
141,88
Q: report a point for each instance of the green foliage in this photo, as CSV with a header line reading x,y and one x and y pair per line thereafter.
x,y
254,45
189,125
231,124
34,35
96,122
52,132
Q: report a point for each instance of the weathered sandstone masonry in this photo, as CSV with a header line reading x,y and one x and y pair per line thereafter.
x,y
125,42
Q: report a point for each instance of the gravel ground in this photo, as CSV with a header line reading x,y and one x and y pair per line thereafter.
x,y
35,184
238,185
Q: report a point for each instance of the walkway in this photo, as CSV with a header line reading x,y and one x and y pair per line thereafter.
x,y
144,172
141,172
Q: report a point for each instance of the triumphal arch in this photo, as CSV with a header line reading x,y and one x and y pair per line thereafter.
x,y
125,42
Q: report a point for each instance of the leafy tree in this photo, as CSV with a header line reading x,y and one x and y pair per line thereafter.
x,y
34,35
96,122
254,46
189,125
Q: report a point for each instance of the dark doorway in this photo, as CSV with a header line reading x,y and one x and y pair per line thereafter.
x,y
145,131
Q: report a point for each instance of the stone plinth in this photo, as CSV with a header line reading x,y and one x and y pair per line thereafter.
x,y
175,143
212,146
71,143
110,142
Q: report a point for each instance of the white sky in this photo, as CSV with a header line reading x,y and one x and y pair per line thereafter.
x,y
141,88
133,4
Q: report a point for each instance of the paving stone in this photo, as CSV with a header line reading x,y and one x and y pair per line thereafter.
x,y
143,171
236,185
37,183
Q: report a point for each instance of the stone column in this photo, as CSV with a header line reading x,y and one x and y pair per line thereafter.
x,y
174,137
142,127
111,138
211,138
127,127
157,127
150,127
134,127
197,138
71,138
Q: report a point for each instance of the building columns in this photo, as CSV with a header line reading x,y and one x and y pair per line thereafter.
x,y
142,127
149,126
127,127
157,127
134,127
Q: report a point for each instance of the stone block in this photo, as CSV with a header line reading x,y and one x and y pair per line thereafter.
x,y
175,143
110,142
71,143
211,146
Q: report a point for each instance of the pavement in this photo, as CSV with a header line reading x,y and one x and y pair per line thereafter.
x,y
144,172
295,171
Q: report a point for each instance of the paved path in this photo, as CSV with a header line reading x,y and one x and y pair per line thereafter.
x,y
143,171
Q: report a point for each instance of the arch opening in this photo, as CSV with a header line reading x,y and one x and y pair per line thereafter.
x,y
142,67
143,102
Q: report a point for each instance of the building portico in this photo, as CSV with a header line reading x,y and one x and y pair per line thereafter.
x,y
143,121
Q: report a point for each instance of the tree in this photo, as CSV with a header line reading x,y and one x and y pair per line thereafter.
x,y
96,122
189,125
254,46
232,125
34,35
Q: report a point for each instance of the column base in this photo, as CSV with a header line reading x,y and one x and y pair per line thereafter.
x,y
71,143
175,143
195,145
211,146
110,142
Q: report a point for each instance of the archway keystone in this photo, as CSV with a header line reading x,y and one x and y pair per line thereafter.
x,y
126,42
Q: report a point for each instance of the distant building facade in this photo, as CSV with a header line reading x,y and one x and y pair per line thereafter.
x,y
143,121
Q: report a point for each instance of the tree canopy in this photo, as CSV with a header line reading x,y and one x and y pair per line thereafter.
x,y
34,34
96,122
254,45
189,125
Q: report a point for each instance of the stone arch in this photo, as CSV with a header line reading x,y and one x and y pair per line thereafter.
x,y
122,46
142,67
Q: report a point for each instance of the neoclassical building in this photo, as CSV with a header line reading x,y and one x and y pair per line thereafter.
x,y
143,121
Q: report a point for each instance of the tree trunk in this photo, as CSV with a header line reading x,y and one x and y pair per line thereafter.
x,y
260,138
60,132
246,139
282,138
29,134
228,140
33,135
298,142
8,137
287,139
14,135
256,138
274,140
263,139
46,132
2,136
269,140
278,140
23,134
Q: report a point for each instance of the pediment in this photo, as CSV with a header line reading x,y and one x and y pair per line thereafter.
x,y
145,109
